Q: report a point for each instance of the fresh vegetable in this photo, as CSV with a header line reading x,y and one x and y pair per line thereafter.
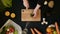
x,y
7,3
49,29
31,14
16,32
9,30
54,32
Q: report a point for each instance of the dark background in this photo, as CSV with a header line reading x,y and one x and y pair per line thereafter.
x,y
51,15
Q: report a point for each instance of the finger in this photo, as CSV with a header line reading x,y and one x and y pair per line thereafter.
x,y
32,31
38,32
34,14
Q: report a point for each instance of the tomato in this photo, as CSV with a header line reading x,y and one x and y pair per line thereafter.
x,y
7,32
11,29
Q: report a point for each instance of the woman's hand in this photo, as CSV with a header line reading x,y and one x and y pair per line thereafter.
x,y
26,4
35,12
36,9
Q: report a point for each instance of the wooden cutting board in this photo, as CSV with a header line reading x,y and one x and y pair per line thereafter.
x,y
26,15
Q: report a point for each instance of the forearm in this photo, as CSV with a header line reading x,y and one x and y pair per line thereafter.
x,y
37,7
25,0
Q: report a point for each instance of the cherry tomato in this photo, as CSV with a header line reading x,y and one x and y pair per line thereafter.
x,y
11,29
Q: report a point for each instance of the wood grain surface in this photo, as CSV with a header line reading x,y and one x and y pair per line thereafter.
x,y
26,15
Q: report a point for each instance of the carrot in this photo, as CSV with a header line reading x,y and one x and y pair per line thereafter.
x,y
32,31
38,32
57,27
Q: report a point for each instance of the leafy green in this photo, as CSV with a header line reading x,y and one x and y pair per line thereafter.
x,y
15,32
5,28
7,3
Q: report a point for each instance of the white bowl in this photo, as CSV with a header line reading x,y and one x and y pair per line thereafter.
x,y
16,26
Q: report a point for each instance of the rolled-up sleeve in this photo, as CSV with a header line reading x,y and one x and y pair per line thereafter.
x,y
40,2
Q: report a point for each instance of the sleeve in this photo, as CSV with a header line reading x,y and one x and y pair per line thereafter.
x,y
40,2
